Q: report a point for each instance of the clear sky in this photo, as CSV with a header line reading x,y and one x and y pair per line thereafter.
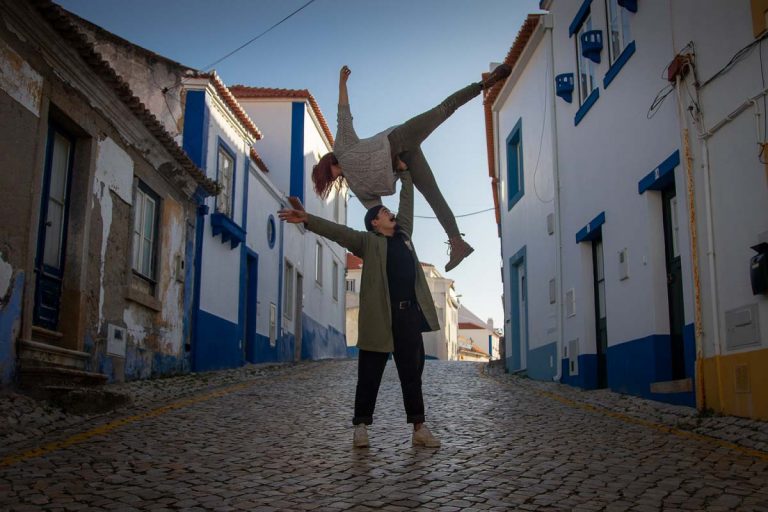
x,y
406,56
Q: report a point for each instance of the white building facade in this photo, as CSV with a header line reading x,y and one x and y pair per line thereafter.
x,y
617,295
311,317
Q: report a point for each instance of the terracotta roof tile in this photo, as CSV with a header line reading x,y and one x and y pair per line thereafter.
x,y
244,91
63,24
231,101
258,161
470,325
490,95
353,262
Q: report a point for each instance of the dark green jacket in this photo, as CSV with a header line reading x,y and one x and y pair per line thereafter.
x,y
375,318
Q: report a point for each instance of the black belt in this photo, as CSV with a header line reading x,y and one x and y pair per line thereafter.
x,y
406,304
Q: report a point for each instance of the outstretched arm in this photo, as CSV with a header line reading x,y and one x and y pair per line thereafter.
x,y
343,76
405,209
342,235
345,131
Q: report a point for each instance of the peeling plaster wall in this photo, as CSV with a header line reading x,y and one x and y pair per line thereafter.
x,y
114,172
19,80
172,284
147,73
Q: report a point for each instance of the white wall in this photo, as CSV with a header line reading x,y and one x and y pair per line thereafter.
x,y
320,303
738,181
274,120
264,201
601,162
220,276
527,96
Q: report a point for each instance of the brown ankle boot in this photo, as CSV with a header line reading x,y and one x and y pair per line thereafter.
x,y
459,250
501,72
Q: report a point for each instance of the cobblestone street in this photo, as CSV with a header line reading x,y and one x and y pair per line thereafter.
x,y
280,439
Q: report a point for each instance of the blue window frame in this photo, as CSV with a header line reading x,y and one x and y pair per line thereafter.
x,y
515,181
226,165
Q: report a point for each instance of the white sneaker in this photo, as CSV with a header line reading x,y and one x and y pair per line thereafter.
x,y
423,437
360,438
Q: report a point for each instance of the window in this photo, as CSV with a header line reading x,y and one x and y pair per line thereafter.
x,y
335,281
351,285
336,207
226,177
145,217
515,187
272,324
288,290
619,35
586,68
271,231
318,263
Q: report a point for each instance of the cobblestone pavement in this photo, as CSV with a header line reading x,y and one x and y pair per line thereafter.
x,y
279,438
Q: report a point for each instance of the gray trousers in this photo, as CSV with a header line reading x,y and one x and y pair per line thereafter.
x,y
405,141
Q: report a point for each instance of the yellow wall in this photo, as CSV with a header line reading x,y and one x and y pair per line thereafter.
x,y
742,387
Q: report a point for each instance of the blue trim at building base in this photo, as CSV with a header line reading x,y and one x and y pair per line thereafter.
x,y
587,373
353,352
217,346
317,342
634,365
10,322
541,362
321,342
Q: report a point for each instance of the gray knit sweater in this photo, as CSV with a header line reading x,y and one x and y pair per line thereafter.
x,y
366,163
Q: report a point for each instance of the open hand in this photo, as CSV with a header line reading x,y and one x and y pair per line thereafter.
x,y
344,74
292,216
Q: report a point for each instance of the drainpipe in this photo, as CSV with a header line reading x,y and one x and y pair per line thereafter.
x,y
548,25
698,329
714,296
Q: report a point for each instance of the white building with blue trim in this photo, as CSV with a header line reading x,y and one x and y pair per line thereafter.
x,y
247,298
311,315
614,238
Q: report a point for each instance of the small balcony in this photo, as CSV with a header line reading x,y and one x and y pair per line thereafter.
x,y
564,86
592,45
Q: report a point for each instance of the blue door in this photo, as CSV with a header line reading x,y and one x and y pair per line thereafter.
x,y
251,287
52,230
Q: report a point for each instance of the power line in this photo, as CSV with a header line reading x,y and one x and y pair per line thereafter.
x,y
210,66
456,216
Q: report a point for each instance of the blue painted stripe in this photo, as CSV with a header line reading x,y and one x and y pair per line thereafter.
x,y
591,99
634,365
196,127
10,316
542,361
297,150
591,230
280,270
587,376
202,211
581,15
320,341
217,346
662,176
618,64
252,267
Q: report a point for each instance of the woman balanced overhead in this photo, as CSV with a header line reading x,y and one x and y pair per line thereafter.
x,y
368,165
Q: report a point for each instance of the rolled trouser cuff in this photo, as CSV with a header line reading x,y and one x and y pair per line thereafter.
x,y
364,420
417,418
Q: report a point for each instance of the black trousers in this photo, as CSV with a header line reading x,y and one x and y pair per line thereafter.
x,y
409,359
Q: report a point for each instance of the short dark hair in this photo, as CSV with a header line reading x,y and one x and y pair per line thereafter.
x,y
371,214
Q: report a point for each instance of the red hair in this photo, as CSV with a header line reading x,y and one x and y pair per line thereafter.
x,y
323,178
